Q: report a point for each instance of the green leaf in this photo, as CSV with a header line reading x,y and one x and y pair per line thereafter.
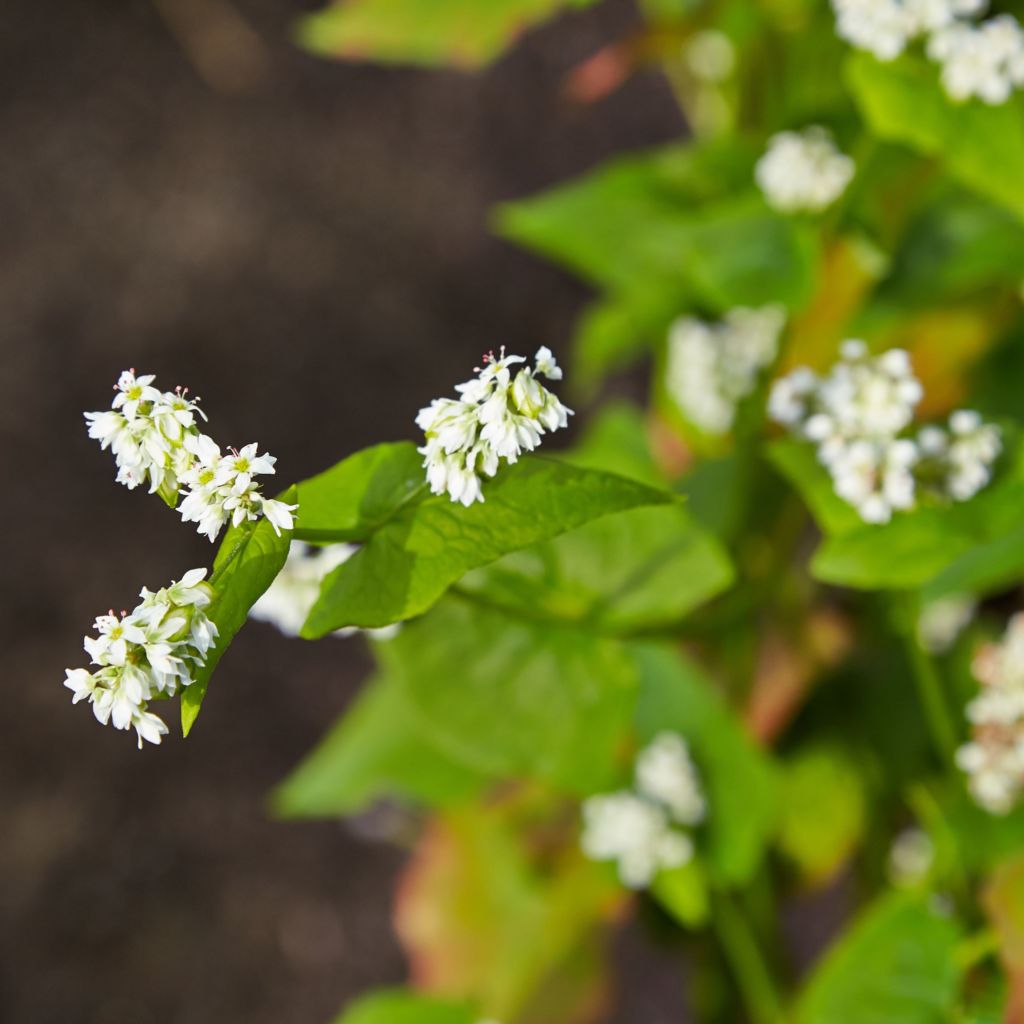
x,y
798,463
982,146
739,779
465,33
976,542
683,892
487,912
249,558
410,561
646,227
824,811
642,569
512,697
375,750
399,1007
353,498
960,244
896,965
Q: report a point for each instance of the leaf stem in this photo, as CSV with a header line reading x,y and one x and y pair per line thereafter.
x,y
752,974
929,689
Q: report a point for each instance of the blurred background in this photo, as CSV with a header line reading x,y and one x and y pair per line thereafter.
x,y
304,244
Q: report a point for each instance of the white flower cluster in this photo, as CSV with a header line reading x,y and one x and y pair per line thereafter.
x,y
496,417
711,367
980,60
857,414
994,758
638,828
289,599
803,171
983,60
149,653
155,438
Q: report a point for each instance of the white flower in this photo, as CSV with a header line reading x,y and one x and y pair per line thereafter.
x,y
497,417
803,171
911,857
941,622
984,61
710,56
544,364
665,774
711,368
635,833
994,759
152,651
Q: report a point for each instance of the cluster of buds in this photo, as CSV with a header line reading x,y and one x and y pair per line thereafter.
x,y
643,829
803,171
994,758
712,367
155,438
147,654
497,416
858,415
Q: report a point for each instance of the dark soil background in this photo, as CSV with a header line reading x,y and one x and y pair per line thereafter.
x,y
304,244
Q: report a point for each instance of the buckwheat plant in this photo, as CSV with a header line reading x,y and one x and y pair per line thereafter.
x,y
721,655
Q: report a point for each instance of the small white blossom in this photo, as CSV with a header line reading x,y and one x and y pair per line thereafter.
x,y
149,653
911,857
155,438
942,621
666,774
711,367
497,417
994,759
710,55
803,171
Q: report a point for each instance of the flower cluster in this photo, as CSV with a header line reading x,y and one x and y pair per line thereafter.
x,y
639,828
857,415
803,171
149,653
497,416
711,367
994,758
289,599
983,60
155,438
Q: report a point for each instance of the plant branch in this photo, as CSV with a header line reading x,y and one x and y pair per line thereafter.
x,y
752,974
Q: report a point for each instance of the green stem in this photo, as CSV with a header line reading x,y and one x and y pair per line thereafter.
x,y
752,974
929,691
